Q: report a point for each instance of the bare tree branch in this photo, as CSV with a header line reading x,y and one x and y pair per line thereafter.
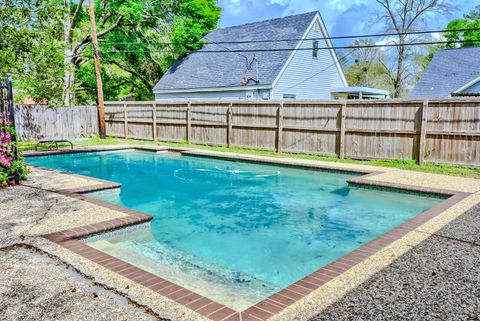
x,y
404,16
75,18
112,27
80,46
105,17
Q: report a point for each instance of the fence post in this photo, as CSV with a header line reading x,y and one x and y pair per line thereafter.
x,y
229,125
279,127
423,133
154,121
125,120
343,116
189,122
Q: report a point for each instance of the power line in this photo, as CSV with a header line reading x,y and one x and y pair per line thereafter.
x,y
236,51
226,48
308,39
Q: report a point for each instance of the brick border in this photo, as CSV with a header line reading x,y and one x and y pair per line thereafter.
x,y
268,307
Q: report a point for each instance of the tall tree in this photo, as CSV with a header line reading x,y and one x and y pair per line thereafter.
x,y
29,46
145,56
48,44
140,41
400,17
77,37
470,20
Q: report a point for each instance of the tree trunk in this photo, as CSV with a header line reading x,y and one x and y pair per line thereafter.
x,y
69,82
398,82
69,67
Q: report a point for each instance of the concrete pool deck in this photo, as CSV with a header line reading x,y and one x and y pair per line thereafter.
x,y
431,272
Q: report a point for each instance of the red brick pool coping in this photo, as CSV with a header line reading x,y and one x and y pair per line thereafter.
x,y
209,308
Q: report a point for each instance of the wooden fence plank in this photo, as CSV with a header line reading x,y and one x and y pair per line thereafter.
x,y
279,127
125,120
189,123
154,124
341,144
229,125
423,133
442,131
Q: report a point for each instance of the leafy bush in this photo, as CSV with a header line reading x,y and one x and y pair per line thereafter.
x,y
8,164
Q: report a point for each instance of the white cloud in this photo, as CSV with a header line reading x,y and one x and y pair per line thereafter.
x,y
243,11
342,17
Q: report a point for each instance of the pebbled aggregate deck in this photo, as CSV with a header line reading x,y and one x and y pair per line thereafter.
x,y
431,273
439,279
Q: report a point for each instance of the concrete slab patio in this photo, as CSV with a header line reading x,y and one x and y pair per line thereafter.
x,y
429,274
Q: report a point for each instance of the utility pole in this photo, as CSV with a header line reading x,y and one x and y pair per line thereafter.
x,y
101,106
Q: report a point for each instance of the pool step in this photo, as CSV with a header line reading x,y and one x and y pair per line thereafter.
x,y
234,296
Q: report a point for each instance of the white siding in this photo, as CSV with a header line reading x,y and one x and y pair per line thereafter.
x,y
211,95
308,77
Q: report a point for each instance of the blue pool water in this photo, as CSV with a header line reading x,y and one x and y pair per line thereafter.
x,y
250,222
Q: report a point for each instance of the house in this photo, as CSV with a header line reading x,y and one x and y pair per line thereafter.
x,y
359,93
284,58
452,72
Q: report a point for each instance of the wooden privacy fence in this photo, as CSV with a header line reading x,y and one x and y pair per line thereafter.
x,y
440,131
35,122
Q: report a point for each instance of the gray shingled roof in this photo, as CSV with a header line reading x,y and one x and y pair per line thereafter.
x,y
226,69
449,70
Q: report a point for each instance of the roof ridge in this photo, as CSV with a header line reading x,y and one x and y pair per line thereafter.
x,y
267,20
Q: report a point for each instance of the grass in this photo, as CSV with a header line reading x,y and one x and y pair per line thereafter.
x,y
444,169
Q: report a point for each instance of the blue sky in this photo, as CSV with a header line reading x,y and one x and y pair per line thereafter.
x,y
342,17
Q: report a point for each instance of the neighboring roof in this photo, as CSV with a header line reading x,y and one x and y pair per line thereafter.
x,y
449,71
203,69
363,90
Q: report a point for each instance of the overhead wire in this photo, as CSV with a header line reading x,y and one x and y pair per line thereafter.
x,y
387,45
308,39
352,48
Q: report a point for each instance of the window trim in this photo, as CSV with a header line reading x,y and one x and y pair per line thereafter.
x,y
315,48
290,96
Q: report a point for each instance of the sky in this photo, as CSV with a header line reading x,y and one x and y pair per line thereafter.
x,y
342,17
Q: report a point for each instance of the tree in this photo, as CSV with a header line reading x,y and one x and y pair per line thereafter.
x,y
195,19
140,41
143,57
470,20
400,17
111,16
368,69
48,44
29,47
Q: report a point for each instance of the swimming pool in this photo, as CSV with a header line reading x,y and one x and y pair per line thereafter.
x,y
235,232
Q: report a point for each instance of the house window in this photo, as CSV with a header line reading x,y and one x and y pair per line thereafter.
x,y
315,49
289,96
249,95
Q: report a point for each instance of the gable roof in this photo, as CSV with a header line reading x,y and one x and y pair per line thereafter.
x,y
449,71
214,66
